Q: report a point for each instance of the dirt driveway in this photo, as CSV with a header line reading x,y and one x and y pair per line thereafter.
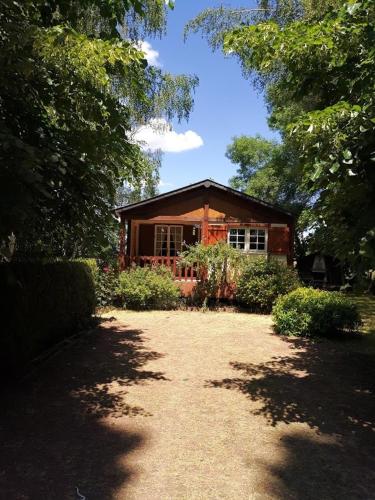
x,y
189,405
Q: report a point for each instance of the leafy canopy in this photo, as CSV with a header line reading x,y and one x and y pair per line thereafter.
x,y
73,86
316,62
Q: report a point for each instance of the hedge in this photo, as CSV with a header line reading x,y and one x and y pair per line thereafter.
x,y
307,312
42,304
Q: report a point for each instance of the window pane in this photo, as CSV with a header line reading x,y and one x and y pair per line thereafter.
x,y
233,231
260,246
261,232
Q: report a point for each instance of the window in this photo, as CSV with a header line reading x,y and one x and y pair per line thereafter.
x,y
257,240
248,239
168,240
237,238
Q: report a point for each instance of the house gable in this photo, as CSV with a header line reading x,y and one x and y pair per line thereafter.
x,y
224,205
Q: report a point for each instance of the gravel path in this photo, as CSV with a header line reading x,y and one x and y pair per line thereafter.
x,y
190,405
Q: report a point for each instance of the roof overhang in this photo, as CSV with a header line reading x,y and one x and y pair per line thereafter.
x,y
207,183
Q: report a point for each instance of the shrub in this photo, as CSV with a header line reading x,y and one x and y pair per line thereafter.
x,y
106,284
148,288
105,281
262,281
217,267
310,312
43,303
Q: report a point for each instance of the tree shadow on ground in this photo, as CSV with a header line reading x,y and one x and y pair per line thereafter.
x,y
55,429
331,388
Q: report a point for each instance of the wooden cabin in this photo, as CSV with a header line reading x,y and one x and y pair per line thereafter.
x,y
156,230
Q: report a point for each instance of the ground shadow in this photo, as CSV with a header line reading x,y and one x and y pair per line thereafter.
x,y
331,388
53,429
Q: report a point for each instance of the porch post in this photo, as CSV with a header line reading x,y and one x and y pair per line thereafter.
x,y
205,223
122,256
291,243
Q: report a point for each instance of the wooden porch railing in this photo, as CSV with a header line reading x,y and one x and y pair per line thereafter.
x,y
180,272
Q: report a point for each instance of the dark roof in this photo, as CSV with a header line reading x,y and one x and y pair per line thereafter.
x,y
206,183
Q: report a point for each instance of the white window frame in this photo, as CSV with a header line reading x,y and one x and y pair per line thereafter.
x,y
247,239
168,226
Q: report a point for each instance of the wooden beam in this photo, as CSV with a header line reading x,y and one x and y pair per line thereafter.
x,y
205,223
122,235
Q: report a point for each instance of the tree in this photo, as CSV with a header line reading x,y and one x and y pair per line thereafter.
x,y
326,69
317,68
268,170
73,86
251,154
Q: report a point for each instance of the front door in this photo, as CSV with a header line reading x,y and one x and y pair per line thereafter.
x,y
168,240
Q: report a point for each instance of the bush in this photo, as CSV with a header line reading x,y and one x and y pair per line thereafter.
x,y
148,288
217,268
310,312
105,281
43,303
262,281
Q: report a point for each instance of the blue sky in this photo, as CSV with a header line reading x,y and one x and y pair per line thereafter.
x,y
225,103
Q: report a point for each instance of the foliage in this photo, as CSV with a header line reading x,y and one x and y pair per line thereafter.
x,y
268,171
250,154
105,278
315,60
147,188
366,307
310,312
73,87
217,267
106,285
325,69
262,282
42,304
148,288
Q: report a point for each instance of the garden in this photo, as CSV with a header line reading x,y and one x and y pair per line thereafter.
x,y
61,298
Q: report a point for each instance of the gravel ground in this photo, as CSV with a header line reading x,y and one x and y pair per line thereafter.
x,y
190,405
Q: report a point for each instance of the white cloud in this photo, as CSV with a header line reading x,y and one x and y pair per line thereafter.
x,y
158,135
163,184
151,54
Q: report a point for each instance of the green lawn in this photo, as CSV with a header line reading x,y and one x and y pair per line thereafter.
x,y
366,306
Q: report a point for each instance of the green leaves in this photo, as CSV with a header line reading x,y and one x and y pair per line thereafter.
x,y
72,89
320,80
352,7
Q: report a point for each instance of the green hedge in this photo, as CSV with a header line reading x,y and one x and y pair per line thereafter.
x,y
42,304
309,312
148,288
262,281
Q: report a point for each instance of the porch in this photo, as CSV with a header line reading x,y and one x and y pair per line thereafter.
x,y
180,272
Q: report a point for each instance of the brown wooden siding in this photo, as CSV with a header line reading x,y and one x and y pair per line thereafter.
x,y
278,240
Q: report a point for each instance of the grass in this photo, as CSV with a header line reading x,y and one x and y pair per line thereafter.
x,y
366,306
